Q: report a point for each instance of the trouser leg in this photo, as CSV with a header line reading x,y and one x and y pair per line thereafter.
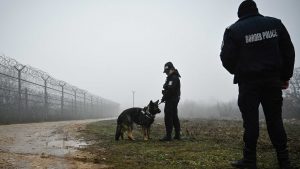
x,y
176,121
248,101
272,105
168,119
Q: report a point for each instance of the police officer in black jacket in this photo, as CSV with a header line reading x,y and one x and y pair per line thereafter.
x,y
258,51
171,97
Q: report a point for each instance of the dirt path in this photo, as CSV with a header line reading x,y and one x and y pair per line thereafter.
x,y
44,145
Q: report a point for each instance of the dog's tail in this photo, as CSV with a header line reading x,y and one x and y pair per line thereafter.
x,y
118,132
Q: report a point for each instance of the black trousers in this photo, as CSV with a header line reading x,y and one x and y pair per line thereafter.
x,y
269,95
171,117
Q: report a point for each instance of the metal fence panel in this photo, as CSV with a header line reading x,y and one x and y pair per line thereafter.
x,y
31,95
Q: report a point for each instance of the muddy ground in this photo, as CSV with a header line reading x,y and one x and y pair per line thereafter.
x,y
48,145
207,144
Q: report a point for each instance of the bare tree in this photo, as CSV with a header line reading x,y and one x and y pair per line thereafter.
x,y
294,90
291,105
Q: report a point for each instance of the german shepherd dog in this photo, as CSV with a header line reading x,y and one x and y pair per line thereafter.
x,y
141,116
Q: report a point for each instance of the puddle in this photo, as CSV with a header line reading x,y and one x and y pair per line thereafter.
x,y
66,144
62,147
54,141
61,144
44,145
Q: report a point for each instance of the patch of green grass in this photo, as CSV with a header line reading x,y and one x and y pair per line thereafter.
x,y
206,144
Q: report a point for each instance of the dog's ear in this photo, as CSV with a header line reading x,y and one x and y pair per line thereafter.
x,y
157,102
151,102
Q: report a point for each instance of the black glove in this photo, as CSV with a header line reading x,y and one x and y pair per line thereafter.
x,y
162,100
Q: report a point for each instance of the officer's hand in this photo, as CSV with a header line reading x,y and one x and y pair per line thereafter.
x,y
284,85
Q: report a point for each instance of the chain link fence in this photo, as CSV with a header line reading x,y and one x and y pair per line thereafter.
x,y
31,95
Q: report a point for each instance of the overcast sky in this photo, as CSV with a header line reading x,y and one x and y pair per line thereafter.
x,y
111,47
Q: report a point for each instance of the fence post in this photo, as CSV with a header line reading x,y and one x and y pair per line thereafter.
x,y
98,107
62,100
46,97
26,100
62,85
75,99
72,105
19,90
19,96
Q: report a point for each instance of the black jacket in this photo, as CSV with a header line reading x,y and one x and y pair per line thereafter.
x,y
258,47
171,87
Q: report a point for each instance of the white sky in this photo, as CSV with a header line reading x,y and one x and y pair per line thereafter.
x,y
111,47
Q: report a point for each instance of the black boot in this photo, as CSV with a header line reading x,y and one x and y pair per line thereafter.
x,y
283,160
249,160
177,137
166,138
285,165
244,163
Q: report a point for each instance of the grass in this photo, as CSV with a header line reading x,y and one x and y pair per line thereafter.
x,y
207,144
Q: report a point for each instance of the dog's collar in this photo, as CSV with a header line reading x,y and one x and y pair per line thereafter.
x,y
147,113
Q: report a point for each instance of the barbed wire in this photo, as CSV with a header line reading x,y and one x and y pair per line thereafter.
x,y
10,66
23,87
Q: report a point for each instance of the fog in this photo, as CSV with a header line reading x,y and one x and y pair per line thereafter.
x,y
113,47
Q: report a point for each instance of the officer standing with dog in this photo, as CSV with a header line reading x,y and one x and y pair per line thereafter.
x,y
171,97
258,51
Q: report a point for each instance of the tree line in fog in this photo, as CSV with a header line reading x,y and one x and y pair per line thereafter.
x,y
230,110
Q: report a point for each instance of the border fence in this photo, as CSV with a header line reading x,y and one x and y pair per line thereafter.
x,y
31,95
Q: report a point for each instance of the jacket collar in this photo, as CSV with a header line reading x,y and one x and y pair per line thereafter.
x,y
249,15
